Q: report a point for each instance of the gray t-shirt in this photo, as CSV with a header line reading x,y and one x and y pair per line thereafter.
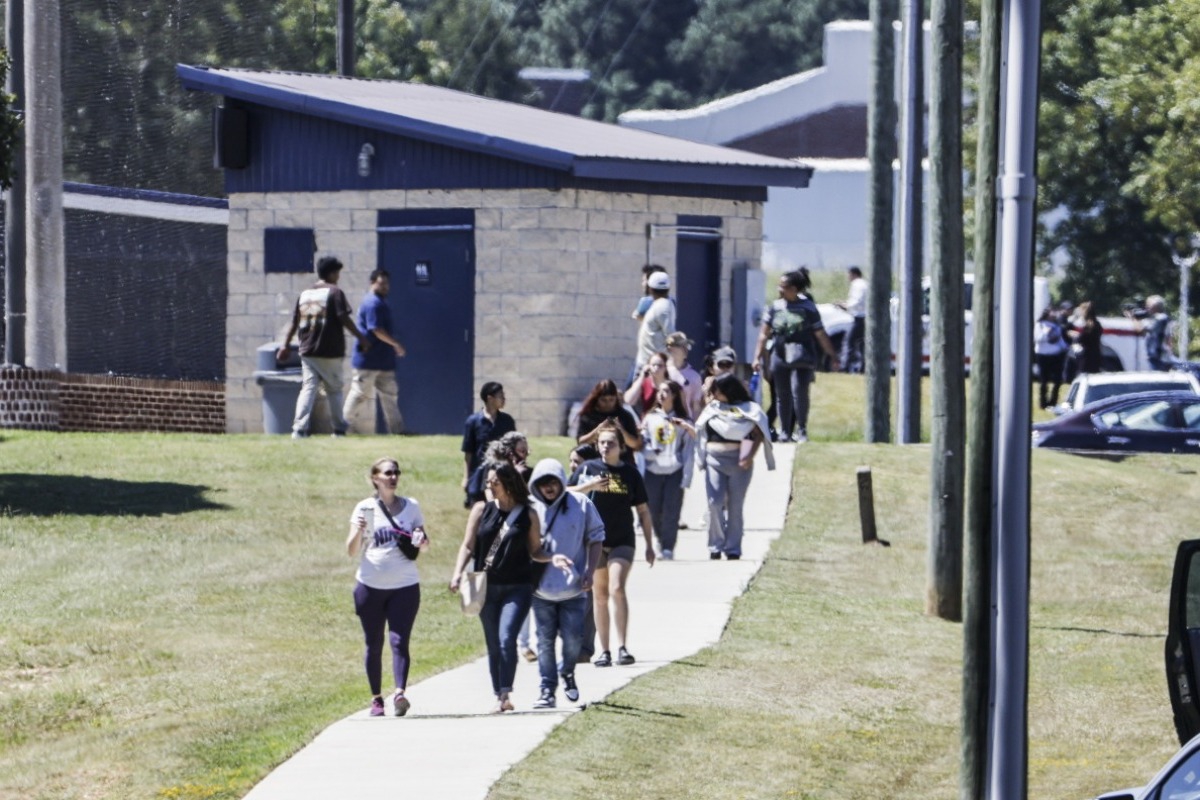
x,y
658,323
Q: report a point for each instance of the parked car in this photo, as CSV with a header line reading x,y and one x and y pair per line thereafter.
x,y
1180,778
1090,387
1147,422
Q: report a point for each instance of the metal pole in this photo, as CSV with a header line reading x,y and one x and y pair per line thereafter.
x,y
45,324
14,197
345,38
1008,779
908,345
1185,274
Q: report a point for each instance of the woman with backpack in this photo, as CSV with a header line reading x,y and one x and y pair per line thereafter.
x,y
1050,352
793,324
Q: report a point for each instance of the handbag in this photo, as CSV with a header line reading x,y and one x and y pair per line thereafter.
x,y
472,588
410,550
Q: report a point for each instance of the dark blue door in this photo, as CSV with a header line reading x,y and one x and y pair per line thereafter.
x,y
430,258
698,285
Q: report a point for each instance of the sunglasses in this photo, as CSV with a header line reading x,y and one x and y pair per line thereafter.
x,y
390,473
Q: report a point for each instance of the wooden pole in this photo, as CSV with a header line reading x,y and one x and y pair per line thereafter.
x,y
866,506
881,149
943,587
977,550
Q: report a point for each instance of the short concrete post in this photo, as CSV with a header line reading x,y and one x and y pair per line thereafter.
x,y
866,508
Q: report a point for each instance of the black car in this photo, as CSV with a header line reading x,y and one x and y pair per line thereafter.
x,y
1180,778
1146,422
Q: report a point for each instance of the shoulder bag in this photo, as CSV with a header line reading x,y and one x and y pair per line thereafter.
x,y
472,588
410,550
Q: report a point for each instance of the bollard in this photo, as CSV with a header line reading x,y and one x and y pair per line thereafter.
x,y
866,508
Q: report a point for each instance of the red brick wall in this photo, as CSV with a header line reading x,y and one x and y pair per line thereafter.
x,y
111,403
46,400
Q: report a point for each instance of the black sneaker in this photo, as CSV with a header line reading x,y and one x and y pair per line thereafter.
x,y
545,699
605,660
715,556
624,657
733,556
570,689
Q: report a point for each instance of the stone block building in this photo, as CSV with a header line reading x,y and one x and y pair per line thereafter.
x,y
514,237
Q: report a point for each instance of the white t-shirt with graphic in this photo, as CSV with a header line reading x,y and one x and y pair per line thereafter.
x,y
383,565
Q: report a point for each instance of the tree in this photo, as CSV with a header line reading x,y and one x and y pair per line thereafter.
x,y
10,127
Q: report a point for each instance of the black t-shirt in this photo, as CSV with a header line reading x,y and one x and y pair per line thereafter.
x,y
318,316
512,563
626,490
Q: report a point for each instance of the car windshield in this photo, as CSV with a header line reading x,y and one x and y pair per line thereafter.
x,y
1104,390
1153,415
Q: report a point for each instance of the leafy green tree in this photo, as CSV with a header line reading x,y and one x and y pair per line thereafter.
x,y
1089,152
10,127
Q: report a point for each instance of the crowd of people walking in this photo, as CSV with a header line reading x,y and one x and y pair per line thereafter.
x,y
559,544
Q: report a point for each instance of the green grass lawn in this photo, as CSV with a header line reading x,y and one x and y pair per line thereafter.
x,y
175,619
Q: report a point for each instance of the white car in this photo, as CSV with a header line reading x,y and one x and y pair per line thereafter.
x,y
1090,387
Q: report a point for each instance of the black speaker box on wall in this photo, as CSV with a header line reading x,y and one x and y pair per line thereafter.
x,y
231,139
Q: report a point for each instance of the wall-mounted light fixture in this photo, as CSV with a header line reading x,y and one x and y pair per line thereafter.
x,y
365,154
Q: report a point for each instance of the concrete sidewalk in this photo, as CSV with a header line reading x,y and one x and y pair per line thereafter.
x,y
450,746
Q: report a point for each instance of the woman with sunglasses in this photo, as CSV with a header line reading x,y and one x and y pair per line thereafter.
x,y
387,533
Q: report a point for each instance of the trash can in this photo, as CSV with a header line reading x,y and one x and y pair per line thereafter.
x,y
280,384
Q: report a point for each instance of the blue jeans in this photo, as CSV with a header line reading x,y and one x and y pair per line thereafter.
x,y
665,499
726,484
503,612
557,618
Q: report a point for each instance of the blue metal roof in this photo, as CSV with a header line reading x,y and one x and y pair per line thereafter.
x,y
580,147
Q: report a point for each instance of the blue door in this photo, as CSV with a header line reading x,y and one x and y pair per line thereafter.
x,y
430,258
698,284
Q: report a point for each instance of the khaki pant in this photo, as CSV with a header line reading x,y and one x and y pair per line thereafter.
x,y
365,386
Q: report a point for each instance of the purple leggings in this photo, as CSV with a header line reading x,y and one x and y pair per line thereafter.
x,y
397,608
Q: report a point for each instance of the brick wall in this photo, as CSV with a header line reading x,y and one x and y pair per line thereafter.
x,y
556,275
29,399
112,403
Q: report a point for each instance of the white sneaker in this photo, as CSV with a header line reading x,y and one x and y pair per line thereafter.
x,y
668,555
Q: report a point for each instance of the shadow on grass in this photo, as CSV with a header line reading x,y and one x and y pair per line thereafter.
x,y
46,495
1102,631
617,708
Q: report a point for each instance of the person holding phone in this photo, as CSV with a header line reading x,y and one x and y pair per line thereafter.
x,y
387,533
617,490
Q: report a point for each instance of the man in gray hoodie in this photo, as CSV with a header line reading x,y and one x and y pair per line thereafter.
x,y
571,526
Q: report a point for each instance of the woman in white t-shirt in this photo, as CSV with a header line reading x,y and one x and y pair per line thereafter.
x,y
670,443
387,533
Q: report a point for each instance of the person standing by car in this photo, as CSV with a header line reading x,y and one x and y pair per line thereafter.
x,y
387,533
1156,324
374,370
1086,334
794,324
856,307
1050,351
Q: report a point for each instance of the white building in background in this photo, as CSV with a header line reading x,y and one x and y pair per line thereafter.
x,y
818,117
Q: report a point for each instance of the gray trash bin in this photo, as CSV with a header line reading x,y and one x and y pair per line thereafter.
x,y
280,384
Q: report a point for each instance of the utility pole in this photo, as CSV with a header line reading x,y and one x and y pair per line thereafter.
x,y
881,149
908,346
977,550
45,323
14,196
943,587
345,38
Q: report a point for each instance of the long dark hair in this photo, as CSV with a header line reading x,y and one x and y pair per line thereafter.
x,y
678,408
604,388
510,479
732,387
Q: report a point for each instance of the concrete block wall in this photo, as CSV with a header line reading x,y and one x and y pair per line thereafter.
x,y
557,274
